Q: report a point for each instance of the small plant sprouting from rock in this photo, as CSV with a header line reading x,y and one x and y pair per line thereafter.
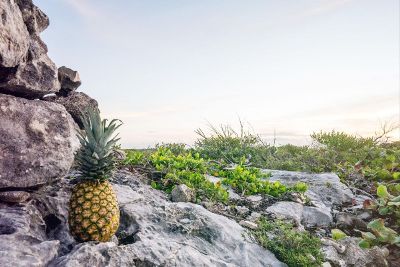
x,y
295,248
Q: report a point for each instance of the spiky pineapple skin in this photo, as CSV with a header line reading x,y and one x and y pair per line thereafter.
x,y
93,211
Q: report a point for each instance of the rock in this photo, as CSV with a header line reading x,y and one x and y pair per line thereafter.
x,y
69,80
324,189
213,179
307,216
182,193
248,224
242,210
14,196
97,254
25,68
52,202
38,141
14,38
254,216
287,210
23,239
353,255
316,217
233,196
35,20
32,79
77,104
349,222
254,201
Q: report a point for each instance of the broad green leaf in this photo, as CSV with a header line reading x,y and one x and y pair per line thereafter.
x,y
382,192
338,234
364,244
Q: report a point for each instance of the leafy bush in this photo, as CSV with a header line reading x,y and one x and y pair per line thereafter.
x,y
339,141
225,144
185,169
294,248
380,234
134,157
250,181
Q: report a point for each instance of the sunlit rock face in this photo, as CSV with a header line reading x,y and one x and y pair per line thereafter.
x,y
25,68
37,142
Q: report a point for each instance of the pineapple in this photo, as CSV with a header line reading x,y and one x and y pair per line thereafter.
x,y
93,207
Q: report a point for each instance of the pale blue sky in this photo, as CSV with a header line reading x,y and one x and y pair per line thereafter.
x,y
168,67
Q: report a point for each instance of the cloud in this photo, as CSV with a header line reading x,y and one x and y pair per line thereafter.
x,y
83,7
323,7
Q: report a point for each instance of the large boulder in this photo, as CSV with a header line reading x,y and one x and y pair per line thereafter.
x,y
37,142
25,68
77,104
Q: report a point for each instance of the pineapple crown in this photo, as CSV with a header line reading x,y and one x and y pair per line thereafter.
x,y
95,159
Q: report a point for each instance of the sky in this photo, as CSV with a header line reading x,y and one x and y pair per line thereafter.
x,y
285,68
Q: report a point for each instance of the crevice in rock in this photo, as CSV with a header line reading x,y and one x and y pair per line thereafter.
x,y
26,189
52,222
6,72
128,229
7,229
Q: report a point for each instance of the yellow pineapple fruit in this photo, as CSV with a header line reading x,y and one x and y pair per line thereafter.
x,y
93,208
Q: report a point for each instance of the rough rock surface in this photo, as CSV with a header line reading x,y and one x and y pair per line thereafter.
x,y
324,190
37,142
23,240
14,196
301,215
353,255
69,80
153,232
14,36
77,104
25,68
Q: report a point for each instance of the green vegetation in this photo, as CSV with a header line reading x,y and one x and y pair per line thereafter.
x,y
177,165
387,206
236,158
251,181
182,167
293,247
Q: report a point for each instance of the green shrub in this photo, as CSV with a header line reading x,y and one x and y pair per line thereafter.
x,y
250,181
340,141
134,157
289,245
225,144
185,169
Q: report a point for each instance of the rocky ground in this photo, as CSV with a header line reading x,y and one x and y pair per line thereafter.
x,y
155,231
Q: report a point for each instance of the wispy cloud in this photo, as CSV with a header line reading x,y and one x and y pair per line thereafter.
x,y
323,7
83,7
